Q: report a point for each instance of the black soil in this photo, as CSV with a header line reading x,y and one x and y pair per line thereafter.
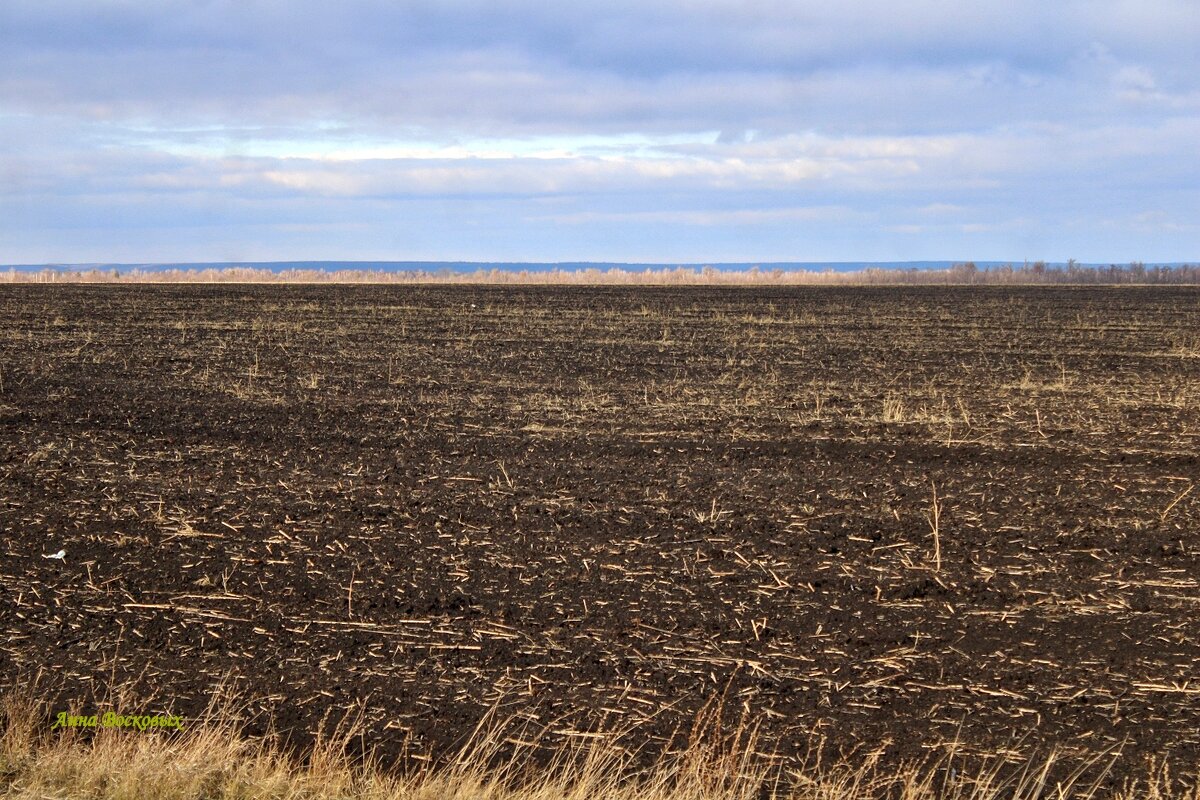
x,y
609,506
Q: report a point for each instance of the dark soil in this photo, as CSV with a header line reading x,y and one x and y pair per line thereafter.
x,y
609,506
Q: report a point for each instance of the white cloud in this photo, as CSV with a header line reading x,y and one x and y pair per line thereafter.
x,y
721,217
859,124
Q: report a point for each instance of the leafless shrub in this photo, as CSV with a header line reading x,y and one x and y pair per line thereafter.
x,y
964,273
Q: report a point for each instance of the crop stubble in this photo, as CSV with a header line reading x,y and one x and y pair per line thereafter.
x,y
886,518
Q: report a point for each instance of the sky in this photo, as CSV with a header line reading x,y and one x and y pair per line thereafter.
x,y
638,131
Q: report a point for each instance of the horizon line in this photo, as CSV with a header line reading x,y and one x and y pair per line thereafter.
x,y
415,264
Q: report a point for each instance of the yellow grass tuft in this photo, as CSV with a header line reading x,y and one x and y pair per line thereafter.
x,y
211,760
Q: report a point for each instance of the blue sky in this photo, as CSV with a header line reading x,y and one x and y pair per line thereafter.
x,y
671,131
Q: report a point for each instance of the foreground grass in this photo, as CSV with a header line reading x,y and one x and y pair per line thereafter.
x,y
211,760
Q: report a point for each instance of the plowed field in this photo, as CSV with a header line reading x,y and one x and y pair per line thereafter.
x,y
885,518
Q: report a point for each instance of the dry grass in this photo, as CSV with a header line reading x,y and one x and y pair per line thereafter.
x,y
211,760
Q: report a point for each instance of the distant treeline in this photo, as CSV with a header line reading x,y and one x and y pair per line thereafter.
x,y
965,273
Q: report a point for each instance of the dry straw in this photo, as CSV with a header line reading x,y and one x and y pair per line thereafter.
x,y
211,760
